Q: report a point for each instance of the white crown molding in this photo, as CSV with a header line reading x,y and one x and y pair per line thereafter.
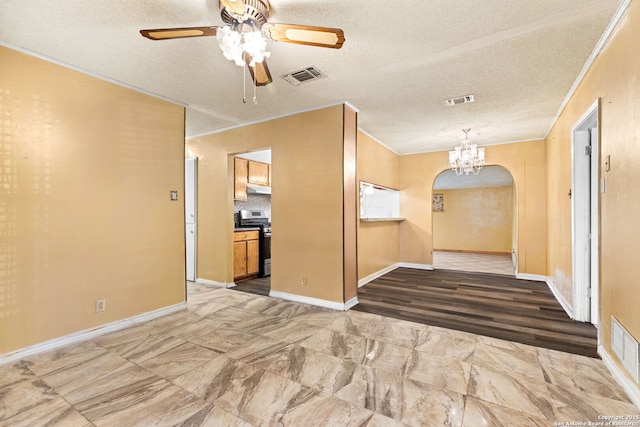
x,y
87,334
378,141
613,24
89,73
267,119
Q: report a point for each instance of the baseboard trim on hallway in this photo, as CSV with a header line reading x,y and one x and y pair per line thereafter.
x,y
351,303
536,277
561,299
552,287
214,283
374,276
632,390
416,266
87,334
380,273
310,300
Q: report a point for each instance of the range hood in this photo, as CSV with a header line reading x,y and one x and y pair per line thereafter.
x,y
258,189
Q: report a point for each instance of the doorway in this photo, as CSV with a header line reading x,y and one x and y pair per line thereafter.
x,y
585,220
475,221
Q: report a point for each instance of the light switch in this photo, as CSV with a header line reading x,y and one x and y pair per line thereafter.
x,y
602,185
174,195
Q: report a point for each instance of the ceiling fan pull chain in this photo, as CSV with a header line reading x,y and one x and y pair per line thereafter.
x,y
244,81
255,86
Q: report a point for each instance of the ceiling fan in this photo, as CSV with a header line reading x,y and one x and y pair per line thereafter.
x,y
243,39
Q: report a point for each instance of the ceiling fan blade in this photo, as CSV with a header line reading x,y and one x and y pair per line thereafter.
x,y
233,6
260,74
305,34
178,33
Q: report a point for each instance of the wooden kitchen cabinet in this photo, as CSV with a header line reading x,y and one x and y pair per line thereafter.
x,y
258,173
246,255
240,173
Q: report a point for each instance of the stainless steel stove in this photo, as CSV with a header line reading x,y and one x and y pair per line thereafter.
x,y
261,219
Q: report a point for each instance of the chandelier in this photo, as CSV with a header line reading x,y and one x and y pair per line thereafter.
x,y
467,157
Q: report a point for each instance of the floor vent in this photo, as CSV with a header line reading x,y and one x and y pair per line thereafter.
x,y
459,100
304,75
626,348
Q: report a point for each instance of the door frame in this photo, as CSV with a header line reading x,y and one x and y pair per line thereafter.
x,y
585,215
191,202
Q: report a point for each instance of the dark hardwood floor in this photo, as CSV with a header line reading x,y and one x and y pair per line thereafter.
x,y
259,286
494,305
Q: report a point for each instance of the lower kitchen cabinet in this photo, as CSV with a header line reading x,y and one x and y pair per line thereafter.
x,y
246,255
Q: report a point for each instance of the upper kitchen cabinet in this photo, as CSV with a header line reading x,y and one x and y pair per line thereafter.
x,y
241,170
259,173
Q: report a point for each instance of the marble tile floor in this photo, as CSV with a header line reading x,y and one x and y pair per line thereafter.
x,y
480,263
236,359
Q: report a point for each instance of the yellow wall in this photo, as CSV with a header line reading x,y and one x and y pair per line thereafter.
x,y
614,78
306,201
526,163
377,241
475,220
87,167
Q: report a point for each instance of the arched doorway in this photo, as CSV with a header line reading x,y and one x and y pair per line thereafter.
x,y
475,221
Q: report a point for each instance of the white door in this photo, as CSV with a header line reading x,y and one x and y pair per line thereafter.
x,y
190,207
191,252
190,179
585,217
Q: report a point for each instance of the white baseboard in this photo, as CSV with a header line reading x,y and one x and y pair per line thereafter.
x,y
535,277
552,287
374,276
631,388
379,273
561,299
416,266
214,283
309,300
352,302
87,334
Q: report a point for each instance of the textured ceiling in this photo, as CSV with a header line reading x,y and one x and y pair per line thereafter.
x,y
400,61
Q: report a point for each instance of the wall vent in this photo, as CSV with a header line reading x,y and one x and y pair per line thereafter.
x,y
459,100
626,348
304,75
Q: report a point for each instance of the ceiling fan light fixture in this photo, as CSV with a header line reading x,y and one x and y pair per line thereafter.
x,y
234,44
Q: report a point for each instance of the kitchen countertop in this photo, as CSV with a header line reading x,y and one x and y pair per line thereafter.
x,y
246,229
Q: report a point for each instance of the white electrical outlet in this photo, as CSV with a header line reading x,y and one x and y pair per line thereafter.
x,y
101,305
303,282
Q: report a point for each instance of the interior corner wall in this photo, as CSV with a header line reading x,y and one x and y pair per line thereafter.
x,y
526,161
613,77
475,220
377,241
85,213
306,201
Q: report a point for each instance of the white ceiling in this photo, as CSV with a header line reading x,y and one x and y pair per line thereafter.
x,y
400,61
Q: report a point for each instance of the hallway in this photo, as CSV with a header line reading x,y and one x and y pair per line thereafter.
x,y
467,261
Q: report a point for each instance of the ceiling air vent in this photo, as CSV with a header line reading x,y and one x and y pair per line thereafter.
x,y
304,75
459,100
